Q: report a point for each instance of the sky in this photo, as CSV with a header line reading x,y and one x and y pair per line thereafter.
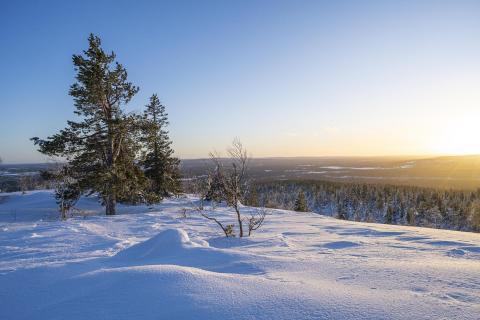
x,y
288,78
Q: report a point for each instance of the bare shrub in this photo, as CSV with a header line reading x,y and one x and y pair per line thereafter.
x,y
228,182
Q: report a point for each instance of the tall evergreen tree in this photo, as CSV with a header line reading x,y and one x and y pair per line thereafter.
x,y
100,147
301,203
411,216
389,215
252,199
160,166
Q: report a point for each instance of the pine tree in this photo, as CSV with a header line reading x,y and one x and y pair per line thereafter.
x,y
252,199
215,185
411,216
160,166
100,147
67,191
301,203
342,212
475,216
389,215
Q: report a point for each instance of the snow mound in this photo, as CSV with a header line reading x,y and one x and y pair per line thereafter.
x,y
174,247
167,242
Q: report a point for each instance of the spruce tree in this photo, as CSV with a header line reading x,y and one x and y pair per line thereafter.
x,y
252,199
100,147
160,166
411,216
342,212
67,191
389,215
215,185
301,203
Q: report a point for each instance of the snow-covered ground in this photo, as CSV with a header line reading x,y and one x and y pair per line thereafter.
x,y
156,264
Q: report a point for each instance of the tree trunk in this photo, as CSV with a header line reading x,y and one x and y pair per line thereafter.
x,y
110,205
239,218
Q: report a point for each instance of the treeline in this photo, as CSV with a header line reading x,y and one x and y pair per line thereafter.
x,y
403,205
23,183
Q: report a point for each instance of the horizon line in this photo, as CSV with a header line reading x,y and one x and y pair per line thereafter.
x,y
416,156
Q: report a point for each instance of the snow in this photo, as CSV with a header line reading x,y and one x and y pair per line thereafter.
x,y
352,168
155,263
315,172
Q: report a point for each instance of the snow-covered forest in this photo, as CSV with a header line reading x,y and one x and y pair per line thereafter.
x,y
403,205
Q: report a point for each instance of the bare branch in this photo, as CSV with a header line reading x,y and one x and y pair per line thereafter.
x,y
228,229
256,220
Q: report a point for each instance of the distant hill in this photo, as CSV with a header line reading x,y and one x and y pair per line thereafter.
x,y
458,172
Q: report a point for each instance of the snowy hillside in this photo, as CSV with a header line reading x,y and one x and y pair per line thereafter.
x,y
157,264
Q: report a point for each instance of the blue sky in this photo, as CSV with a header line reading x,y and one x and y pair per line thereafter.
x,y
289,78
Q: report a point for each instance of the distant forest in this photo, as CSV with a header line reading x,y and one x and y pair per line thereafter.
x,y
391,204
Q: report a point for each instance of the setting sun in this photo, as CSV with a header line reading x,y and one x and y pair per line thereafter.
x,y
460,136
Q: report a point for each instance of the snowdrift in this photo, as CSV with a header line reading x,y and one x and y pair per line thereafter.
x,y
155,264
